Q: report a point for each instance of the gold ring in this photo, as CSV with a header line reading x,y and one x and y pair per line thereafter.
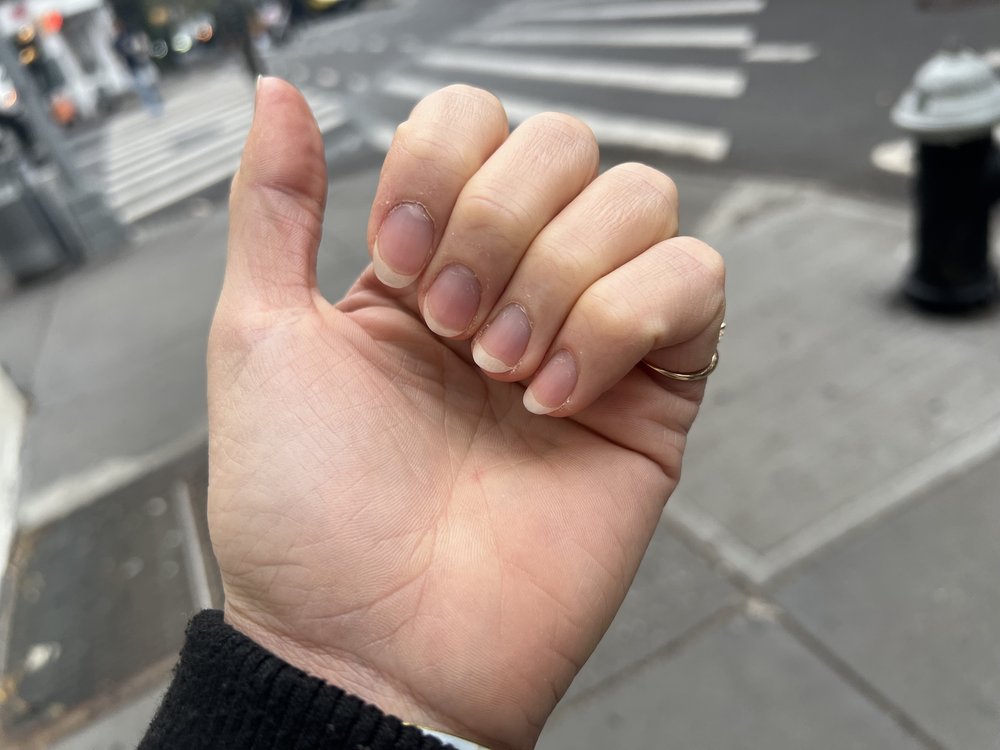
x,y
687,377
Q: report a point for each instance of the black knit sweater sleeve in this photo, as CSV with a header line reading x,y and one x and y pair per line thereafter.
x,y
230,692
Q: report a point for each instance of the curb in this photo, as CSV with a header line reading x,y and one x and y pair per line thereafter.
x,y
12,417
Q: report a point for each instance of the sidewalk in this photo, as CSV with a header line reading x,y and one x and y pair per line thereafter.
x,y
823,578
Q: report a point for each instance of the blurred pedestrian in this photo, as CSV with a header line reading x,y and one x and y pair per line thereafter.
x,y
13,123
240,29
133,48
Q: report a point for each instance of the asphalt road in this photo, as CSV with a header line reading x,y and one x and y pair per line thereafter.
x,y
799,88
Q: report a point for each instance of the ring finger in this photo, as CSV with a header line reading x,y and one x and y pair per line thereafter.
x,y
622,213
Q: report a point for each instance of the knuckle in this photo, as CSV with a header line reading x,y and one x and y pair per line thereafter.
x,y
565,131
646,194
705,259
700,263
429,147
639,176
463,96
610,316
463,106
490,209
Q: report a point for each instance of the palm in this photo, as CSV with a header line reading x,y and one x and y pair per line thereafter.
x,y
409,498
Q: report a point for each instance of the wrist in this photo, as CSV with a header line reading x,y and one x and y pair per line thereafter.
x,y
357,677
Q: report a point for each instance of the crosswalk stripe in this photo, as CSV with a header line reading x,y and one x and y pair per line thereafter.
x,y
194,183
182,102
895,157
144,163
648,10
220,114
176,119
694,141
663,79
136,168
780,53
172,185
708,37
134,179
142,123
155,134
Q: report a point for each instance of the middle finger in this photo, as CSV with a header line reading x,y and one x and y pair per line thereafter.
x,y
542,166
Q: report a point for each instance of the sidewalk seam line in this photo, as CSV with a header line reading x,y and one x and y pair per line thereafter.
x,y
829,658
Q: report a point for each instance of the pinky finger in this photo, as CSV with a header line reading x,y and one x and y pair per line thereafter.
x,y
664,305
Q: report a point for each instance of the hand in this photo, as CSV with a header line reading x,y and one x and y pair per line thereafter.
x,y
386,512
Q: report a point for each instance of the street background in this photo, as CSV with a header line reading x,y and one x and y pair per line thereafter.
x,y
824,577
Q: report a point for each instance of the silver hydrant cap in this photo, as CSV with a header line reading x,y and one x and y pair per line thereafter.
x,y
954,95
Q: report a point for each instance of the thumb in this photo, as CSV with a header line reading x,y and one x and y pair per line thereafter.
x,y
276,204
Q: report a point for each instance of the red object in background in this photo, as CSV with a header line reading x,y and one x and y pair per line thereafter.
x,y
63,110
51,21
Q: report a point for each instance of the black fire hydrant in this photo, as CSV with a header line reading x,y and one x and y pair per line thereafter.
x,y
951,110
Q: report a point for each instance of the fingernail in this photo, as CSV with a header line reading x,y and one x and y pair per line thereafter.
x,y
503,343
452,301
553,385
402,245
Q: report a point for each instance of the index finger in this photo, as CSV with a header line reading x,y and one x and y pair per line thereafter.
x,y
450,134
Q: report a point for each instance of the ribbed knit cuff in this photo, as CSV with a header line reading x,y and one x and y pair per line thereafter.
x,y
230,692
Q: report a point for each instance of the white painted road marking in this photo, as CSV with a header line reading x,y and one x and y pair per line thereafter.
x,y
648,10
895,157
148,164
663,79
696,142
781,53
707,37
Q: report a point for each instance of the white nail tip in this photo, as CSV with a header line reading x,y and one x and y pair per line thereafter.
x,y
386,275
437,328
486,361
534,407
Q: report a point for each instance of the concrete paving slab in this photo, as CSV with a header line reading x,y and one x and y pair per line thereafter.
x,y
114,320
911,603
673,592
745,683
163,401
830,391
